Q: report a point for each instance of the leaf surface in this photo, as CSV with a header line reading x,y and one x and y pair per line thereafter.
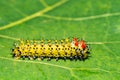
x,y
95,21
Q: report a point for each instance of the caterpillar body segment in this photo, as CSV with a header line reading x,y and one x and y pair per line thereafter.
x,y
74,49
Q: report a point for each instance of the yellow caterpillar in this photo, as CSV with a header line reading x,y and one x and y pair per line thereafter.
x,y
63,49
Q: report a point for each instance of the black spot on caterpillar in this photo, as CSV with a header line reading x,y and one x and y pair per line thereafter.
x,y
63,49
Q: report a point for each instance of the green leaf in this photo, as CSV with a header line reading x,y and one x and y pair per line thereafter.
x,y
98,22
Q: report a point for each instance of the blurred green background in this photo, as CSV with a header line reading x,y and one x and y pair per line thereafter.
x,y
96,21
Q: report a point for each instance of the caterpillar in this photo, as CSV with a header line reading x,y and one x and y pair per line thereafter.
x,y
59,49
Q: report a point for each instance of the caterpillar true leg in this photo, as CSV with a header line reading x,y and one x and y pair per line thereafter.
x,y
23,57
34,57
57,58
41,57
71,58
28,57
76,57
49,58
13,55
64,58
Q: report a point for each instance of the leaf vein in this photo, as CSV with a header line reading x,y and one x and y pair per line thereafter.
x,y
82,18
39,13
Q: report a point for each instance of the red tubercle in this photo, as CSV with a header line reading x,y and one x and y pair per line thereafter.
x,y
75,41
83,44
